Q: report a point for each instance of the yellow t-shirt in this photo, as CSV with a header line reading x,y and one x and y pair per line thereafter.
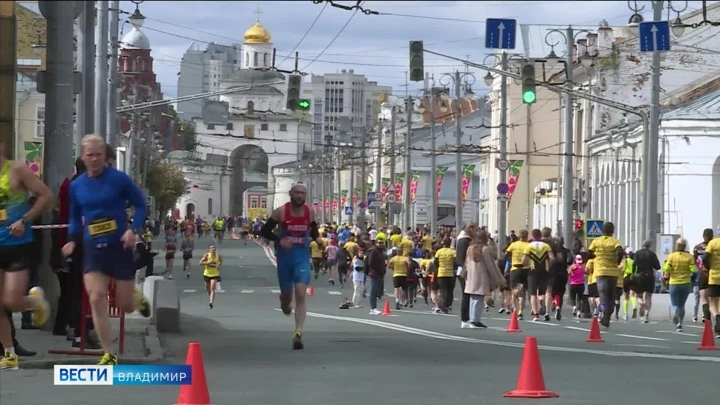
x,y
211,271
425,264
352,247
406,246
538,252
517,250
395,240
427,242
399,266
446,262
606,263
713,249
315,251
680,266
325,241
590,268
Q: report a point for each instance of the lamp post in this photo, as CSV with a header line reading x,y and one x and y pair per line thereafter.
x,y
649,218
678,27
136,18
39,27
469,80
586,61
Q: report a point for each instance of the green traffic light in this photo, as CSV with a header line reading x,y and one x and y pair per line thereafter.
x,y
304,104
528,97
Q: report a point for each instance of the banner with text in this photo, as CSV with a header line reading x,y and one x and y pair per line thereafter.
x,y
441,171
384,186
399,181
513,176
414,185
467,175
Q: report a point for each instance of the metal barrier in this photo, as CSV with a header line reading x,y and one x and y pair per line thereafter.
x,y
113,311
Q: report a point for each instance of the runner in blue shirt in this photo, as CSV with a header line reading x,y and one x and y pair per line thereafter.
x,y
98,220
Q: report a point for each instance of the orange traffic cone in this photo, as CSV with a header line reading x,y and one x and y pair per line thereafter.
x,y
708,341
386,309
594,336
197,392
514,326
310,291
531,383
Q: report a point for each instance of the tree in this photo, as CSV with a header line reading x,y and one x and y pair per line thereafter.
x,y
186,130
166,183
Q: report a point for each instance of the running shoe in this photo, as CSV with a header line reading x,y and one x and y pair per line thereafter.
x,y
9,362
297,341
108,359
42,310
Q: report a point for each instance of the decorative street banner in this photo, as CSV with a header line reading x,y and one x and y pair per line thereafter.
x,y
343,197
335,202
414,185
441,171
513,175
384,186
356,195
399,180
327,204
34,157
467,175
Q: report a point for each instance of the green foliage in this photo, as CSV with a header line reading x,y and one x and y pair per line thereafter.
x,y
166,183
186,130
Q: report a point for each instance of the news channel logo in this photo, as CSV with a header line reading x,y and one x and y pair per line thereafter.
x,y
165,374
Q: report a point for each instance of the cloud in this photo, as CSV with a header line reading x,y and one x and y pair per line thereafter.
x,y
374,45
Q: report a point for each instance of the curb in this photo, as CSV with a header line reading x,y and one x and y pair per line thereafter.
x,y
151,342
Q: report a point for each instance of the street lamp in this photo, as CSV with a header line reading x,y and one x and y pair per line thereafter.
x,y
136,18
636,18
37,27
457,79
678,27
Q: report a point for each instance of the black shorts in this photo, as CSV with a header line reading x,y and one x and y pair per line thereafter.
x,y
17,257
207,279
434,286
713,291
558,284
400,282
619,291
518,277
537,282
628,284
703,280
644,283
593,291
507,284
169,256
187,256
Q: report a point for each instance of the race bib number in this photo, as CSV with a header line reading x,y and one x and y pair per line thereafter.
x,y
3,215
102,227
297,240
714,277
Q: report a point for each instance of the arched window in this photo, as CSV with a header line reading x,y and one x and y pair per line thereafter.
x,y
210,206
247,59
255,58
265,59
250,107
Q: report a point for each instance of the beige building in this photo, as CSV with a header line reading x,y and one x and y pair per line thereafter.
x,y
29,122
31,30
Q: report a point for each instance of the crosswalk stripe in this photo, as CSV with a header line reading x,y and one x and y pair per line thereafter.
x,y
189,291
275,291
334,292
247,291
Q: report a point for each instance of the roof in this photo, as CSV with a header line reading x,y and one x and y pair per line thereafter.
x,y
706,107
475,119
257,34
255,76
135,39
532,39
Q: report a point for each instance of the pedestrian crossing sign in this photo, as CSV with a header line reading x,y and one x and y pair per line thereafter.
x,y
593,228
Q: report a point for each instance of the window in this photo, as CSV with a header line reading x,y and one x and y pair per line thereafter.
x,y
263,203
250,107
40,121
211,126
255,58
263,127
229,126
210,206
253,201
265,59
283,127
247,59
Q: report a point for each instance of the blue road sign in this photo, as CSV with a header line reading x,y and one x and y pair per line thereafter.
x,y
371,201
503,188
654,36
593,228
500,33
348,210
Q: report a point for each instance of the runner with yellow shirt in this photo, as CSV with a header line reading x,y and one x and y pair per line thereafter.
x,y
427,241
445,276
212,261
316,256
399,265
518,272
607,252
711,260
538,257
678,271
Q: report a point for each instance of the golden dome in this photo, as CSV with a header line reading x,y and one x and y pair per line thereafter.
x,y
257,34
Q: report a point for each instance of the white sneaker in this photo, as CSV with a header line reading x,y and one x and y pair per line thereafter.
x,y
375,312
467,325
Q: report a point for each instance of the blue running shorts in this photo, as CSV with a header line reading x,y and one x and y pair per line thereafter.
x,y
112,260
293,268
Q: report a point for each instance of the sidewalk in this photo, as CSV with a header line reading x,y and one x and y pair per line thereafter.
x,y
142,345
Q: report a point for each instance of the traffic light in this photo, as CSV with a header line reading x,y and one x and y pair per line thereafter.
x,y
293,92
304,104
529,95
417,64
579,224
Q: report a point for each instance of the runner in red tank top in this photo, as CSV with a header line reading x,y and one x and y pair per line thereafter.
x,y
297,227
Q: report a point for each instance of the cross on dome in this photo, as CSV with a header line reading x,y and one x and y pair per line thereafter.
x,y
258,12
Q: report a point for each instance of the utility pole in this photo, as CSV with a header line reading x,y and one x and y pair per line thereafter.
x,y
59,93
407,201
458,156
433,168
378,174
148,150
363,185
338,186
86,64
568,169
112,94
351,190
393,156
101,69
558,213
502,204
651,163
322,188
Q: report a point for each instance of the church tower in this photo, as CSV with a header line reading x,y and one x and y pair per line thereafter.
x,y
257,49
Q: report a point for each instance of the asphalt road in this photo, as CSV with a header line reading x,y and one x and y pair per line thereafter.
x,y
411,357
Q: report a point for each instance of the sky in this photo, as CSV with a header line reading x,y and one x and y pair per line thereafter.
x,y
373,45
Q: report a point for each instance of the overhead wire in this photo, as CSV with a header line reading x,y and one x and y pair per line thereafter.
x,y
304,36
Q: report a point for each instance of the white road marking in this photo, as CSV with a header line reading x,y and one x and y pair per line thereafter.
x,y
189,291
543,323
640,337
676,333
247,291
577,328
410,311
275,291
646,346
694,326
442,336
335,292
496,328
